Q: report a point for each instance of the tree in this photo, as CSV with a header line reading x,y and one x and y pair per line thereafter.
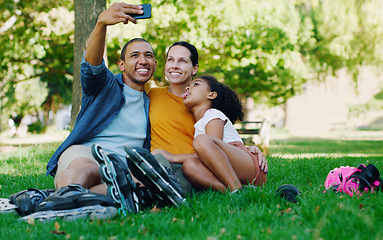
x,y
346,34
252,49
86,14
35,55
266,50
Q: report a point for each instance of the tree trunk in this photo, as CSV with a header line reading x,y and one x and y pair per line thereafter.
x,y
86,14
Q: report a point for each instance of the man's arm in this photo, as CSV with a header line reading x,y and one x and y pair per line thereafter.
x,y
117,13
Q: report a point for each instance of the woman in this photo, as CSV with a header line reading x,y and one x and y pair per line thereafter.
x,y
172,124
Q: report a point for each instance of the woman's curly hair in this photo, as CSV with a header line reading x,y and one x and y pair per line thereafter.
x,y
227,100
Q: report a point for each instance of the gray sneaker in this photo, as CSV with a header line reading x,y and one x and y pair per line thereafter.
x,y
6,206
93,212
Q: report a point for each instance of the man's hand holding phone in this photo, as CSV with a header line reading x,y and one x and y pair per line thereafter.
x,y
124,13
147,8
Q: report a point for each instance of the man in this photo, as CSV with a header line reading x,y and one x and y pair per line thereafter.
x,y
115,108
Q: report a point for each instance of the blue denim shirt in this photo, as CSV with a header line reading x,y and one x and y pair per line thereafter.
x,y
101,102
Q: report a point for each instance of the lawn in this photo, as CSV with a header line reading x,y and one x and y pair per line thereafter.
x,y
254,214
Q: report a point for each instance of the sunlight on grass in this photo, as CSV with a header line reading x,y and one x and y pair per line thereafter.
x,y
316,155
320,147
254,214
6,168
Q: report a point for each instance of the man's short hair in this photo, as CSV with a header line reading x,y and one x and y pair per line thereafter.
x,y
123,52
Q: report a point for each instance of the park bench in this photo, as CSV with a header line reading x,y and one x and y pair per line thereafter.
x,y
259,131
338,126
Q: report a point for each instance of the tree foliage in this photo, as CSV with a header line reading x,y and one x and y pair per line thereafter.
x,y
346,33
263,49
36,49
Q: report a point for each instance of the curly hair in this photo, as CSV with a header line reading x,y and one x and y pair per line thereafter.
x,y
227,100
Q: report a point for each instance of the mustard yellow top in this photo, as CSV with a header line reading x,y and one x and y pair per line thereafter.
x,y
172,124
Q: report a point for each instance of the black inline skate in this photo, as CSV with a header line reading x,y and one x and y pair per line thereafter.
x,y
158,178
116,175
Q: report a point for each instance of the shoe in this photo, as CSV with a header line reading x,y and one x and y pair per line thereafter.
x,y
27,200
93,212
71,197
116,174
159,179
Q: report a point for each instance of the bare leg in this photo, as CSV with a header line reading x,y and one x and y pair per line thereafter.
x,y
241,161
212,156
100,188
200,176
231,165
83,171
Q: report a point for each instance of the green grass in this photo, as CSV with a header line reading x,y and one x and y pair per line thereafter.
x,y
327,146
255,214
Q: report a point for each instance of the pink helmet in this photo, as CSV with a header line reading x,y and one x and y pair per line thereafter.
x,y
354,181
336,176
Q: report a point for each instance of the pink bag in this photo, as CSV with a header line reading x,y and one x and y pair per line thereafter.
x,y
353,180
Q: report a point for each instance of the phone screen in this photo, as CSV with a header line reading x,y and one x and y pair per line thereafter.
x,y
147,12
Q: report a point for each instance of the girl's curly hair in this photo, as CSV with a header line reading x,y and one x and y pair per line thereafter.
x,y
227,100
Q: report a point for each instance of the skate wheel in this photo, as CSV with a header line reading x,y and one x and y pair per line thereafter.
x,y
178,202
97,153
105,174
112,192
165,188
148,171
130,153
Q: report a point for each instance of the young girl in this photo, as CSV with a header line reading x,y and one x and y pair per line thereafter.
x,y
219,147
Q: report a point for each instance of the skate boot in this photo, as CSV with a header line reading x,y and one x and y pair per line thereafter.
x,y
147,200
71,197
116,175
74,202
27,200
159,179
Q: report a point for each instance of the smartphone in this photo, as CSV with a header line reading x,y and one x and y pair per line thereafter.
x,y
147,8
